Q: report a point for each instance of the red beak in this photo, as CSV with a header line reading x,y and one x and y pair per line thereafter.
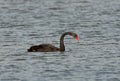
x,y
76,38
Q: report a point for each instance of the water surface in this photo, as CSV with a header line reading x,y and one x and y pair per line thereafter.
x,y
24,23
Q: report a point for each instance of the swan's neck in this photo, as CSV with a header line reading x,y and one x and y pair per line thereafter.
x,y
62,46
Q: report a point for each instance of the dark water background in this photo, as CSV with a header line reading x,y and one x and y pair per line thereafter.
x,y
29,22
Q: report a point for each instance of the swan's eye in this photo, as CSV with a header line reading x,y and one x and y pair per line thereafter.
x,y
76,38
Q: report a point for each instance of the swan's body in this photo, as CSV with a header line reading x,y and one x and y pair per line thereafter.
x,y
43,48
51,48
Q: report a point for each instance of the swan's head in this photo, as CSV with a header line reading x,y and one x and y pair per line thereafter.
x,y
75,36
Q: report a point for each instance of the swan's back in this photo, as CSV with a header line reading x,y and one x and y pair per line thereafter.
x,y
43,48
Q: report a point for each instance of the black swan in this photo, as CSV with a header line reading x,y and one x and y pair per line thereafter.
x,y
51,48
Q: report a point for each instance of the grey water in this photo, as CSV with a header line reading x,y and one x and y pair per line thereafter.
x,y
96,57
